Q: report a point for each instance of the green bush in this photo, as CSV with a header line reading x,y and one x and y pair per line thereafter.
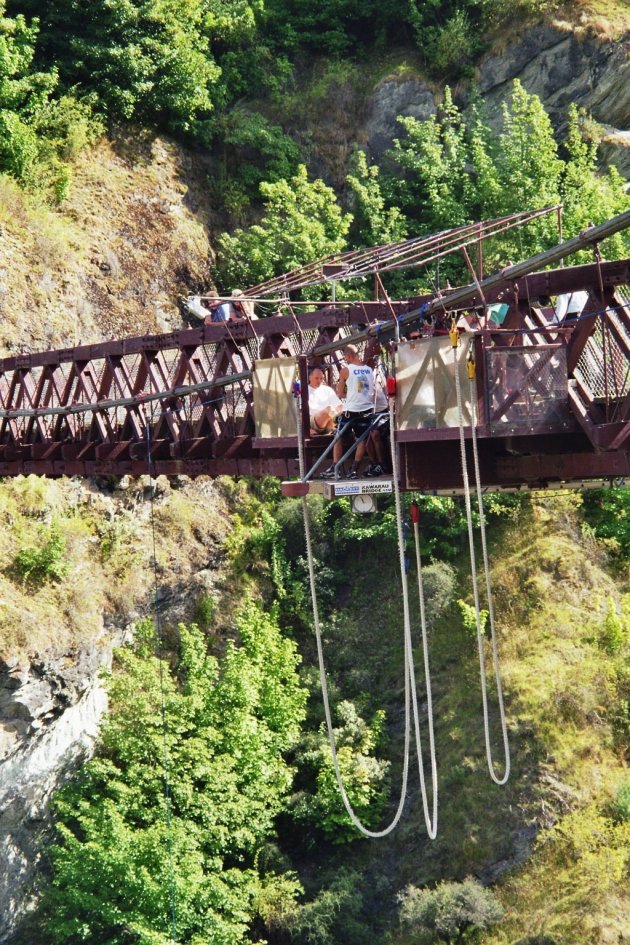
x,y
621,804
607,512
450,913
204,611
363,775
333,916
469,618
45,563
449,49
439,582
614,632
302,221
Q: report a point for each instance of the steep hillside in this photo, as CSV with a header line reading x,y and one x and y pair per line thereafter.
x,y
116,258
549,843
77,574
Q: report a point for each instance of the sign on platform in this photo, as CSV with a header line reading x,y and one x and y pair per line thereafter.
x,y
363,488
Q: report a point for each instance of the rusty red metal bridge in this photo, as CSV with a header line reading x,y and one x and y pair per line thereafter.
x,y
552,401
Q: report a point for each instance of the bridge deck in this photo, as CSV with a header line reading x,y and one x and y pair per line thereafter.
x,y
553,405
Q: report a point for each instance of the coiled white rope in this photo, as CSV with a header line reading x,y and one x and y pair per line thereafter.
x,y
473,567
410,686
431,821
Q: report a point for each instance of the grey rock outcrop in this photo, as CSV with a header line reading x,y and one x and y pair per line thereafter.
x,y
560,66
49,716
393,97
614,148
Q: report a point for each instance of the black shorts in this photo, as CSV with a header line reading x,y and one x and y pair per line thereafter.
x,y
356,423
381,423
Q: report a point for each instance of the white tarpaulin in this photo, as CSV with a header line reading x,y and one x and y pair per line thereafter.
x,y
425,384
274,404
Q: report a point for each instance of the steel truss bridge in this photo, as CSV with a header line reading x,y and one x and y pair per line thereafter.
x,y
552,402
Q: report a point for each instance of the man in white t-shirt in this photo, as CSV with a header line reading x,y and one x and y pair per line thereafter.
x,y
323,403
356,383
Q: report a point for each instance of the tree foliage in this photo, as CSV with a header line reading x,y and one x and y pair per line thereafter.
x,y
40,125
607,513
149,60
363,775
302,221
230,723
451,912
455,169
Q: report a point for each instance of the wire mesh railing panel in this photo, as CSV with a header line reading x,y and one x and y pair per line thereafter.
x,y
305,341
526,387
603,369
205,360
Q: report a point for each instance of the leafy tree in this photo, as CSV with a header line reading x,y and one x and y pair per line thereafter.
x,y
229,726
607,512
334,915
40,127
433,156
450,913
147,59
302,221
363,776
252,150
335,27
374,221
588,196
455,169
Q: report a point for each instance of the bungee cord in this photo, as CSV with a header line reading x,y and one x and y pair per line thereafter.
x,y
431,821
427,677
493,634
372,834
165,757
473,566
411,698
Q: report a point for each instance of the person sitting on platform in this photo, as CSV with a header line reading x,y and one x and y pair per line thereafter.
x,y
356,384
323,404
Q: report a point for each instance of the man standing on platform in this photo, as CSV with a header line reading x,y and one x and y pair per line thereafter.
x,y
355,386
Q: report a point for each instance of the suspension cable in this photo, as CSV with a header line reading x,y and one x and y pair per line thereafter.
x,y
475,587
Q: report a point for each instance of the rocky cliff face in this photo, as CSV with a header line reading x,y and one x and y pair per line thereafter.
x,y
51,704
559,65
49,715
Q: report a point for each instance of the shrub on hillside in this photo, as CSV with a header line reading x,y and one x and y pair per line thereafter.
x,y
614,632
621,804
46,563
450,913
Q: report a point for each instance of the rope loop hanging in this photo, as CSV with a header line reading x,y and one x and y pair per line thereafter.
x,y
473,565
411,698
